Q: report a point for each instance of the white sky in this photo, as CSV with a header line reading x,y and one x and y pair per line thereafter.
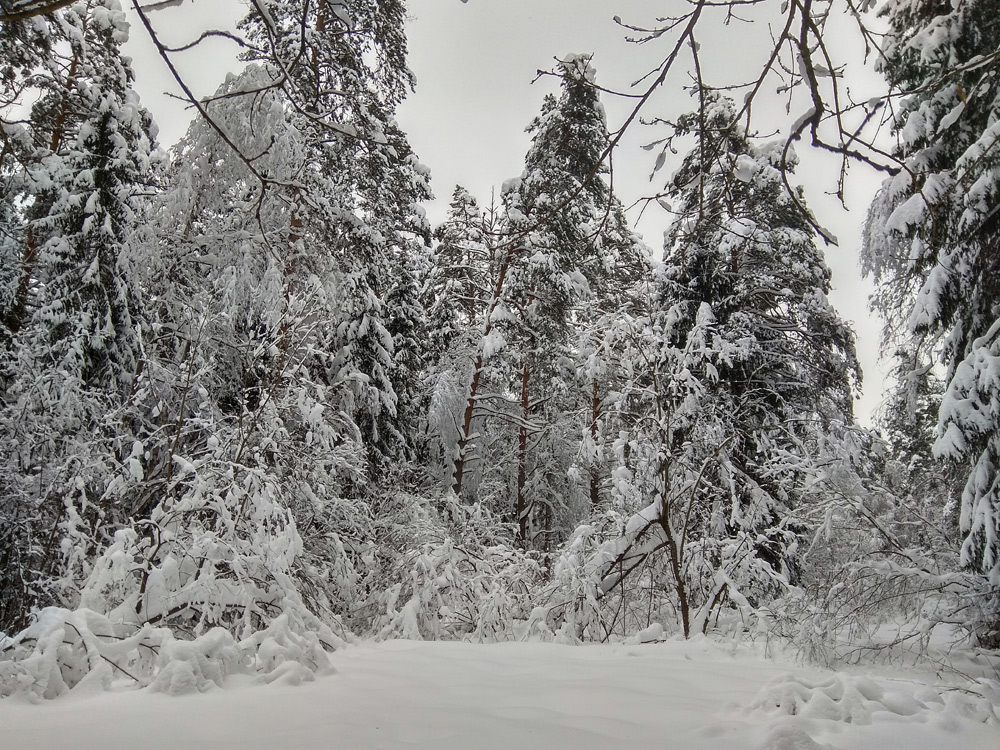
x,y
475,62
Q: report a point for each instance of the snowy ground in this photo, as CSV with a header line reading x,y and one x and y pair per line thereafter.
x,y
423,696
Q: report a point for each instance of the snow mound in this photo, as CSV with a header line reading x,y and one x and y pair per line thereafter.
x,y
854,699
838,697
198,665
651,634
790,737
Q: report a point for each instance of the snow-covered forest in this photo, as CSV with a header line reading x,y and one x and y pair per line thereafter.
x,y
255,407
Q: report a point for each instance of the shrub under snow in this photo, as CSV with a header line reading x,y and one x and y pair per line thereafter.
x,y
67,650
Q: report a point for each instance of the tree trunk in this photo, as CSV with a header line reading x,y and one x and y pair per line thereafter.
x,y
595,472
676,565
521,507
463,438
477,373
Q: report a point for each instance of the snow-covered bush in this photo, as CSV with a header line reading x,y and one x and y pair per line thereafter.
x,y
616,579
467,582
879,572
66,650
569,608
450,592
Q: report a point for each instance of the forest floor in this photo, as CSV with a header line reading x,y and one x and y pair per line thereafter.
x,y
412,695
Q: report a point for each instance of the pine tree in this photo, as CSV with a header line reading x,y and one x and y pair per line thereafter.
x,y
574,246
932,232
466,291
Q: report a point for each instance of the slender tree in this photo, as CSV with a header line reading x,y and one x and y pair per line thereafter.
x,y
461,294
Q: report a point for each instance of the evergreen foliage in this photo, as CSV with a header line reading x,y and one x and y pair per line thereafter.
x,y
576,259
931,238
741,367
74,352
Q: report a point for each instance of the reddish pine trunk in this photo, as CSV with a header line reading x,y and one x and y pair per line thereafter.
x,y
521,502
477,373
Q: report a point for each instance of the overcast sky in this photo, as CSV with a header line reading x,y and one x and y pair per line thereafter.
x,y
475,63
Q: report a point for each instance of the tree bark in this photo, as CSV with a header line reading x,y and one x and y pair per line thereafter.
x,y
595,471
521,508
470,405
463,439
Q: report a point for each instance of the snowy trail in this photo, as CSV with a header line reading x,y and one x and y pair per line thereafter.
x,y
423,696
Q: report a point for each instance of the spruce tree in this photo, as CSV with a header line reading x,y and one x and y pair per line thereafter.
x,y
24,48
743,366
927,490
931,241
72,315
456,289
